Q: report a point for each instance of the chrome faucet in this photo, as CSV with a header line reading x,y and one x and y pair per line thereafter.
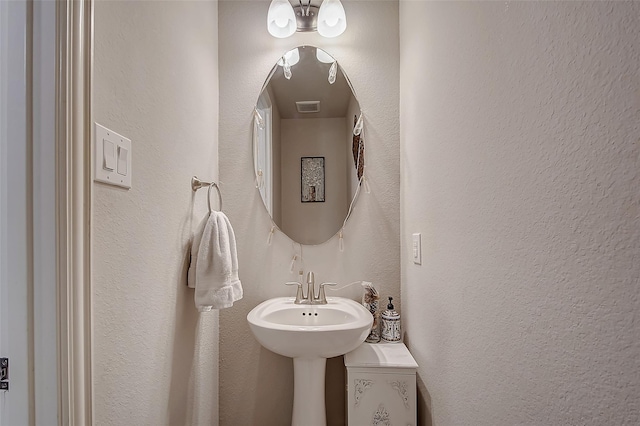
x,y
310,298
311,288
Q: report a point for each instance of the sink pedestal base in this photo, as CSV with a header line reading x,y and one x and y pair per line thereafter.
x,y
308,392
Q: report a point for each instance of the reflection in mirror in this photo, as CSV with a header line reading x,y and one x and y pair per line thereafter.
x,y
308,159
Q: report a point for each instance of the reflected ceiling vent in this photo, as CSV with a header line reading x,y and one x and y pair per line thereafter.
x,y
306,107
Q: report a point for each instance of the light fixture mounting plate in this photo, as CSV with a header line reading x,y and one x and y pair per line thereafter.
x,y
306,18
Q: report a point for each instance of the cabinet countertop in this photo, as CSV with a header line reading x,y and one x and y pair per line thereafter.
x,y
390,355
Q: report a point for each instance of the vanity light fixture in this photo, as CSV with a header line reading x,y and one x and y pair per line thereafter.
x,y
283,19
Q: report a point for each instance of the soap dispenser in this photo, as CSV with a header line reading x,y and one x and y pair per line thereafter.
x,y
370,299
391,324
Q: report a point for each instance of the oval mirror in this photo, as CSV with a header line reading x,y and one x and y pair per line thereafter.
x,y
308,146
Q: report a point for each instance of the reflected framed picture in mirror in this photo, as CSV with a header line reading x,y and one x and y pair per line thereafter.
x,y
312,179
286,128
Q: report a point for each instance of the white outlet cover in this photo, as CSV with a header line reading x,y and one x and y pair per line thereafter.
x,y
107,173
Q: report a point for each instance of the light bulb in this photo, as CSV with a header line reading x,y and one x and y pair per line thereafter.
x,y
281,21
332,20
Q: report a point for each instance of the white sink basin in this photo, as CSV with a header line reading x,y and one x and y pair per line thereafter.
x,y
310,334
310,331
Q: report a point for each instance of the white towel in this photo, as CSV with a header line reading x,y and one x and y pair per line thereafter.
x,y
213,271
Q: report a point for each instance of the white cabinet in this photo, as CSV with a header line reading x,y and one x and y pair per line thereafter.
x,y
381,385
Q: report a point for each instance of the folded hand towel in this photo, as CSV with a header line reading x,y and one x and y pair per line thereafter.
x,y
195,247
213,271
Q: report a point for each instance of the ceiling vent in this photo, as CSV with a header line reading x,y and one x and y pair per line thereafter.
x,y
306,107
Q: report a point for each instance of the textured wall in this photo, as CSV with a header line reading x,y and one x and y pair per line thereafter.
x,y
520,166
256,386
155,358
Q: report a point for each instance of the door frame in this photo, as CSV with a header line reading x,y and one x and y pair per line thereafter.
x,y
16,156
74,22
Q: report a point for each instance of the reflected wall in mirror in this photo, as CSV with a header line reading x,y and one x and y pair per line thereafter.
x,y
307,109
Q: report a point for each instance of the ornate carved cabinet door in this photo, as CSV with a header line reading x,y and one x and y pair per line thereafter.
x,y
381,387
382,399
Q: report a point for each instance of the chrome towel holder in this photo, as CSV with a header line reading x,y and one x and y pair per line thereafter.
x,y
197,184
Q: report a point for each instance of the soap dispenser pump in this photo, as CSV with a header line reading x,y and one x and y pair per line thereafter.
x,y
391,324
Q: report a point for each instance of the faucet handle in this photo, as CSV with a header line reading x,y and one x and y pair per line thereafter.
x,y
328,284
299,295
322,297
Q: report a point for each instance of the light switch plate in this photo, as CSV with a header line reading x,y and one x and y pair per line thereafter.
x,y
111,170
417,249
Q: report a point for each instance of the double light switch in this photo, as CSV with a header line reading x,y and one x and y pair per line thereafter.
x,y
113,157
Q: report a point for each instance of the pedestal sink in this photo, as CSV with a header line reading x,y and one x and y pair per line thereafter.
x,y
309,334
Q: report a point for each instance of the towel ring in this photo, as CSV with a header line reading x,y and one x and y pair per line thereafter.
x,y
214,185
197,184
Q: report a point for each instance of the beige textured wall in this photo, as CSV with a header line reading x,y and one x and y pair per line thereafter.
x,y
155,358
520,167
313,223
255,384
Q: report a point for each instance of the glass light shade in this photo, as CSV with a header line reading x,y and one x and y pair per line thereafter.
x,y
324,57
281,19
332,20
292,57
